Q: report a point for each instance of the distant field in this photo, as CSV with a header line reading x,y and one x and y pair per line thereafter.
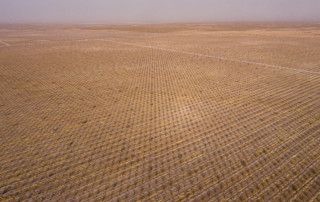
x,y
160,112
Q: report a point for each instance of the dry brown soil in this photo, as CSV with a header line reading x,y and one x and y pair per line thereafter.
x,y
160,112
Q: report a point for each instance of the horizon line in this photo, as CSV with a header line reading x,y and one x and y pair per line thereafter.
x,y
164,23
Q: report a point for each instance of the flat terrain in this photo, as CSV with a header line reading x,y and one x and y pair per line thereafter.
x,y
160,112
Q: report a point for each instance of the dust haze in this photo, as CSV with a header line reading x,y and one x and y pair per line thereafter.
x,y
151,11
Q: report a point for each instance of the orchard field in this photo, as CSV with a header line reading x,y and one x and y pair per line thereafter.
x,y
179,112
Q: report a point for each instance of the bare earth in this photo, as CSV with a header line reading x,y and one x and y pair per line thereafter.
x,y
160,112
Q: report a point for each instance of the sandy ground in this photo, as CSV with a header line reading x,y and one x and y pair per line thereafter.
x,y
160,112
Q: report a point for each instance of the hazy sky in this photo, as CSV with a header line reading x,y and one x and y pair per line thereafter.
x,y
148,11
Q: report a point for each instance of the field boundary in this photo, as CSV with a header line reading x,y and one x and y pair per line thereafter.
x,y
4,43
172,50
212,56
